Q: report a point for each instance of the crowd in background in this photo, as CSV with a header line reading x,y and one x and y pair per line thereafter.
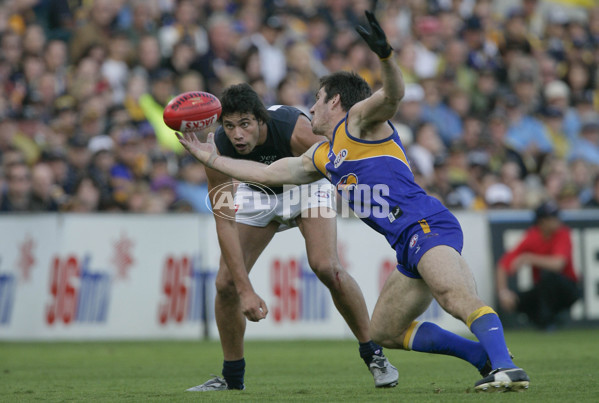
x,y
500,109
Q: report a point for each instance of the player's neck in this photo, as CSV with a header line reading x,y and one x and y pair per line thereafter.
x,y
262,134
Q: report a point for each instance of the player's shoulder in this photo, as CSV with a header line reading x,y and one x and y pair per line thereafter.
x,y
284,112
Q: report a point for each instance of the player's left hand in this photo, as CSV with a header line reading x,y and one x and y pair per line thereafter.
x,y
204,152
376,39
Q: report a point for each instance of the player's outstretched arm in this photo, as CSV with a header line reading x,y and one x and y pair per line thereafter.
x,y
383,104
292,170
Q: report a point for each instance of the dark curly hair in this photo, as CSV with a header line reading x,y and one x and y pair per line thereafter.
x,y
241,98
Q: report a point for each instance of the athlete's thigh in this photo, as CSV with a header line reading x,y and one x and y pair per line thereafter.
x,y
401,300
319,229
450,280
253,240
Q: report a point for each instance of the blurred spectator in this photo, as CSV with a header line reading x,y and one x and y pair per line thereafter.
x,y
77,158
410,108
557,97
87,69
129,163
34,40
547,247
428,45
482,52
498,146
45,195
568,197
101,163
527,135
305,79
162,89
182,58
143,21
498,195
442,113
192,186
289,93
165,187
425,150
149,59
553,118
115,68
587,145
270,49
96,29
86,197
593,202
221,58
186,28
16,197
454,60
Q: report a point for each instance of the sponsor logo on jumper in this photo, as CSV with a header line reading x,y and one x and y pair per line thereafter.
x,y
340,158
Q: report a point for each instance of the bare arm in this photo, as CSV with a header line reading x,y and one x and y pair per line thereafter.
x,y
222,189
369,114
383,104
550,263
508,300
291,170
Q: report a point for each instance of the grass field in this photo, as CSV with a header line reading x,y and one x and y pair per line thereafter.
x,y
562,366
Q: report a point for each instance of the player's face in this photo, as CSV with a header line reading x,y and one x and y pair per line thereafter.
x,y
320,113
243,130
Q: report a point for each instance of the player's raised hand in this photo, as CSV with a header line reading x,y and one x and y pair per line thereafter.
x,y
204,152
376,38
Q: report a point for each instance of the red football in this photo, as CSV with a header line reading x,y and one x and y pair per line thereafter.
x,y
192,111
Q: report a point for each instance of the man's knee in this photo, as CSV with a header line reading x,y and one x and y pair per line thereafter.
x,y
328,271
458,304
382,334
225,287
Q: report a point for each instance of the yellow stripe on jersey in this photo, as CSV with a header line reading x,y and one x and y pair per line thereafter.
x,y
483,310
359,150
425,228
321,157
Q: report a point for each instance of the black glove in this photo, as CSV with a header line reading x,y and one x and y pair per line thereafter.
x,y
376,40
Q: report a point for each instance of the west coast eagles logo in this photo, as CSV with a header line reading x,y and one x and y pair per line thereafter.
x,y
347,182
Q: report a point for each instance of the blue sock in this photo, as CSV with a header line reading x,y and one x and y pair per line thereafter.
x,y
487,328
233,372
427,337
368,349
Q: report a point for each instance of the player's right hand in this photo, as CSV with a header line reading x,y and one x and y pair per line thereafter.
x,y
204,152
253,307
376,39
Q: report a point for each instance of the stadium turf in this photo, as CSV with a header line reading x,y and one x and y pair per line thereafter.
x,y
562,366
